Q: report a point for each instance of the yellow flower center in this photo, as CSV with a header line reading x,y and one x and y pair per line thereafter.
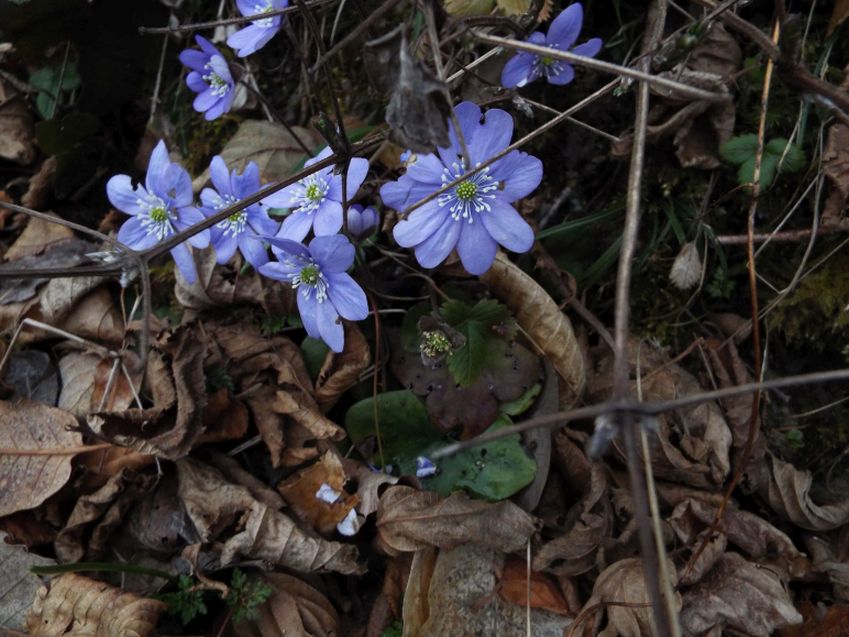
x,y
158,215
466,190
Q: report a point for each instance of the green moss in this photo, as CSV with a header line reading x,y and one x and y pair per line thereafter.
x,y
813,313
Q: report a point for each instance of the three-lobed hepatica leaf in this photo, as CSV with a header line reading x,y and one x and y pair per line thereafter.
x,y
742,150
494,471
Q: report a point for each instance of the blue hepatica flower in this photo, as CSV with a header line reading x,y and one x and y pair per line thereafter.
x,y
524,68
325,291
257,34
361,220
210,78
475,215
317,199
239,229
425,467
158,209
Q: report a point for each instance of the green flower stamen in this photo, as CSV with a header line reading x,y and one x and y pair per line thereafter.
x,y
158,215
309,275
466,190
434,344
313,192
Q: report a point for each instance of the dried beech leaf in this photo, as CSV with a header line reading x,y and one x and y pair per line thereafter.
x,y
737,596
788,492
40,189
340,372
300,491
19,585
85,377
462,599
233,471
106,507
623,582
370,485
214,504
38,237
295,609
224,418
62,254
538,315
28,480
408,520
75,605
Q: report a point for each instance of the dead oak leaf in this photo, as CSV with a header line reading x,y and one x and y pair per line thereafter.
x,y
340,372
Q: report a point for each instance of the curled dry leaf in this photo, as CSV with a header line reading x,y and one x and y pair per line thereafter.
x,y
19,584
300,491
295,609
172,427
17,132
408,520
73,604
105,509
340,372
28,479
545,593
737,597
39,237
623,582
547,326
233,471
370,485
460,595
819,621
214,504
281,394
691,445
788,492
85,377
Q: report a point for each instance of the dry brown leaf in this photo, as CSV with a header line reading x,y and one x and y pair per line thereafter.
x,y
838,15
300,491
62,254
40,189
691,445
213,504
545,593
19,584
835,156
819,621
234,472
549,328
17,133
388,605
85,377
370,485
224,418
462,598
408,520
269,145
173,426
37,238
340,372
737,596
106,507
31,375
102,464
788,492
623,582
28,480
295,609
157,527
75,605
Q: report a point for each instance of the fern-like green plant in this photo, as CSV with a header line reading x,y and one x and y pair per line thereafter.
x,y
246,596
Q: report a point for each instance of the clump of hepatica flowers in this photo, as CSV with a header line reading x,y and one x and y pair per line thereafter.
x,y
210,78
257,34
475,215
239,229
158,209
317,199
325,291
524,67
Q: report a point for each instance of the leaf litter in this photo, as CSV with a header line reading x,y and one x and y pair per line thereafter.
x,y
287,489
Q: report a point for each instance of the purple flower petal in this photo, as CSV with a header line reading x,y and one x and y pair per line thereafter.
x,y
246,7
206,46
189,216
156,170
250,39
123,196
565,27
507,227
328,218
308,309
520,175
468,115
330,327
493,136
185,262
254,251
133,235
348,298
476,248
565,75
176,187
286,245
590,48
225,247
247,183
333,253
276,270
221,68
420,224
518,70
205,101
220,176
195,82
296,226
436,248
426,169
261,223
405,192
285,197
194,59
357,171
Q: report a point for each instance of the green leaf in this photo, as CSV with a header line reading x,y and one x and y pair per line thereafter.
x,y
410,337
494,471
486,311
522,403
405,429
746,173
46,80
794,160
739,149
467,363
314,351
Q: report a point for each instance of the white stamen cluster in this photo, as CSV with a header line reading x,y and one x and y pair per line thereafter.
x,y
157,217
308,277
263,8
468,196
234,224
315,190
548,66
216,83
